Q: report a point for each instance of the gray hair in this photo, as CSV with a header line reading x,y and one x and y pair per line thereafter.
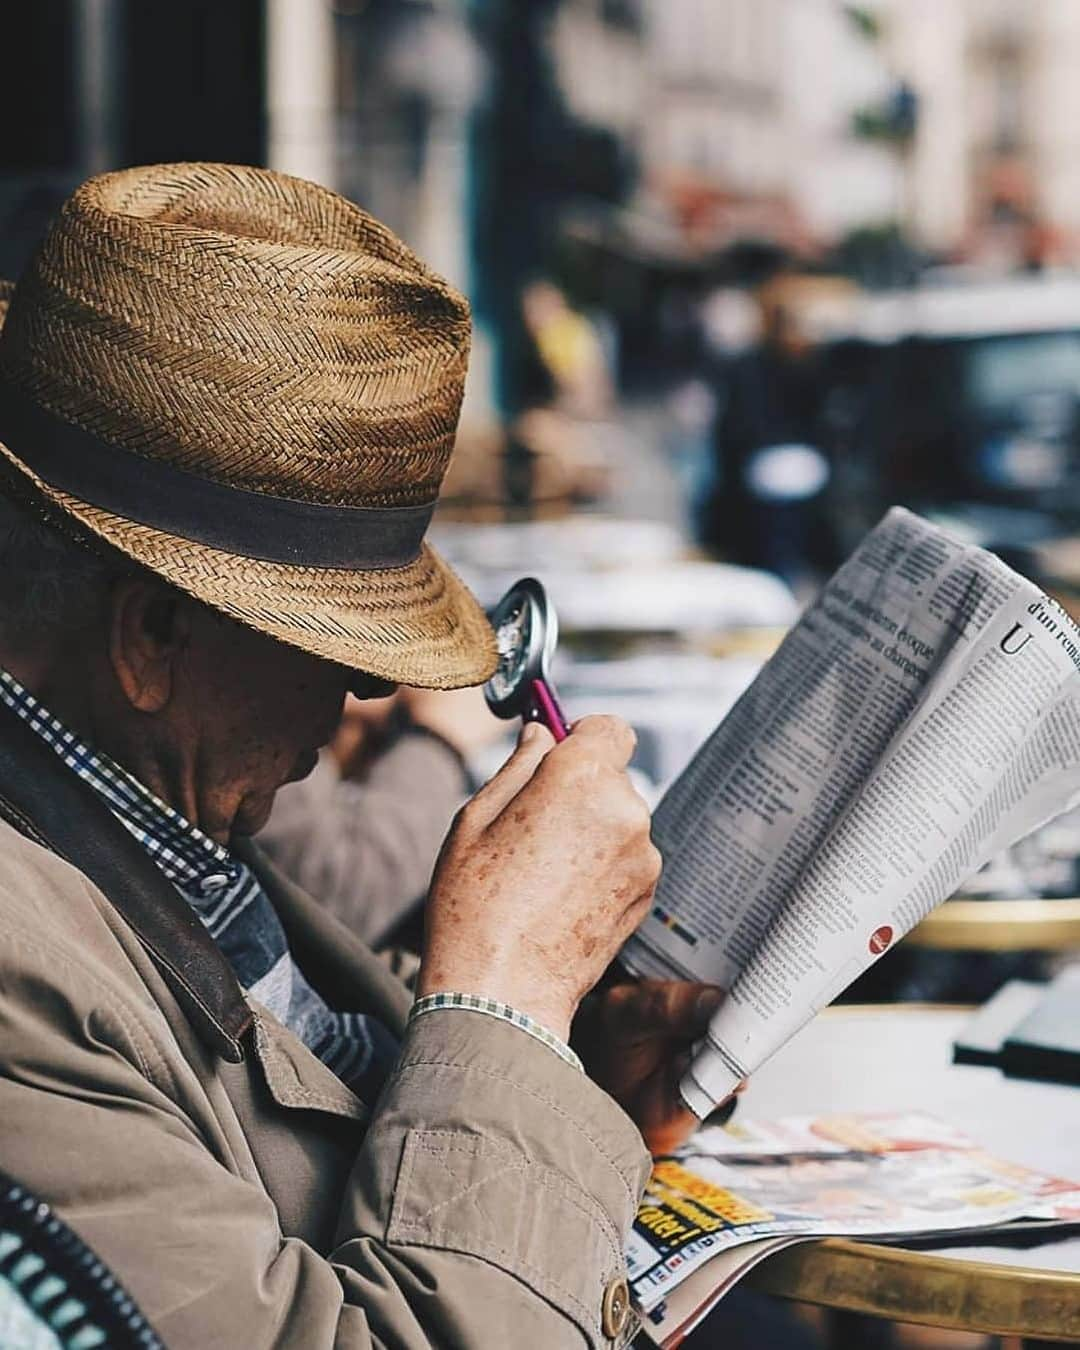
x,y
49,582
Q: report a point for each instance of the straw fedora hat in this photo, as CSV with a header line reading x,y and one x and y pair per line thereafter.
x,y
249,386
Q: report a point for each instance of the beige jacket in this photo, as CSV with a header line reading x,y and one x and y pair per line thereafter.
x,y
242,1193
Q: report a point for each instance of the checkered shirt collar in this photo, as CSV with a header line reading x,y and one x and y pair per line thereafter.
x,y
184,854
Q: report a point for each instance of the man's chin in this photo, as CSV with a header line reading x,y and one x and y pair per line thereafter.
x,y
255,810
252,816
303,766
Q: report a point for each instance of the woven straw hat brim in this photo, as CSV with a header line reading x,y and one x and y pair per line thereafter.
x,y
416,625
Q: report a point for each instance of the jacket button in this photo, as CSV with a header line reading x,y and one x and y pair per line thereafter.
x,y
615,1309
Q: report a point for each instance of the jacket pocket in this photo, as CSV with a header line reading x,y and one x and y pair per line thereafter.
x,y
486,1198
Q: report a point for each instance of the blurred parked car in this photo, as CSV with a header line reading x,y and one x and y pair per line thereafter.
x,y
962,400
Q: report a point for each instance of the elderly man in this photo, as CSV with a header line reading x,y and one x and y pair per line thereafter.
x,y
227,399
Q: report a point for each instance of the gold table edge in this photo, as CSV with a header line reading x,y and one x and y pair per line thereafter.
x,y
979,1296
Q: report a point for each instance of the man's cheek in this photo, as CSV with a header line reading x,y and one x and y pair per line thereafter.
x,y
257,765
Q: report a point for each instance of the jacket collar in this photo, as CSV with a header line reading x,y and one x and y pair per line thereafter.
x,y
51,805
344,970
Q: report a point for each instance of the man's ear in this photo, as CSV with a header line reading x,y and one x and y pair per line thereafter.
x,y
149,625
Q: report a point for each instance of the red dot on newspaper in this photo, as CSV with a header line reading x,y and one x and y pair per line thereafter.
x,y
880,939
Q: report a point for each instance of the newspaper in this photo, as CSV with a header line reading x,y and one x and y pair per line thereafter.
x,y
922,715
736,1194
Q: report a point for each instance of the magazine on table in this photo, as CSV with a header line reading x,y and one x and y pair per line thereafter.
x,y
737,1193
922,715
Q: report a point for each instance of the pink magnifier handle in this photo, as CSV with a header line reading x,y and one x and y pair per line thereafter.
x,y
545,708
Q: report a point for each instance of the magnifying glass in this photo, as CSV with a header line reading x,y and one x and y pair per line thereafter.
x,y
526,631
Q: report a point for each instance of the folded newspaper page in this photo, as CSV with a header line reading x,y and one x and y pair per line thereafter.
x,y
751,1187
922,715
688,1304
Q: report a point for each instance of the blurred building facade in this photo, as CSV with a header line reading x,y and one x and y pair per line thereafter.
x,y
757,96
786,118
995,168
739,113
474,126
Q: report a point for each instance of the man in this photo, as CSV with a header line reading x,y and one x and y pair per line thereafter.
x,y
227,399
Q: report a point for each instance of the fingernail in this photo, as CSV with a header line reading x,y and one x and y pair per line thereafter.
x,y
707,1003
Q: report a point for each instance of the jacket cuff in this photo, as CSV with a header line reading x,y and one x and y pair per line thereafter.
x,y
501,1150
505,1012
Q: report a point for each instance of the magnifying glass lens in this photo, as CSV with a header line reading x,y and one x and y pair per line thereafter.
x,y
512,634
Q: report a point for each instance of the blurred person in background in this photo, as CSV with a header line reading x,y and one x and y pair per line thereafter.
x,y
566,366
771,467
363,830
557,441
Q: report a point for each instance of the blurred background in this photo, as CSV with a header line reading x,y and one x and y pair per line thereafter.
x,y
744,273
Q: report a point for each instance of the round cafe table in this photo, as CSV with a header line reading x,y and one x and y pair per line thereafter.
x,y
900,1058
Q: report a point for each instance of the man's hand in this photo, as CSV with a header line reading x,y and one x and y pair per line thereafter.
x,y
635,1042
546,873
